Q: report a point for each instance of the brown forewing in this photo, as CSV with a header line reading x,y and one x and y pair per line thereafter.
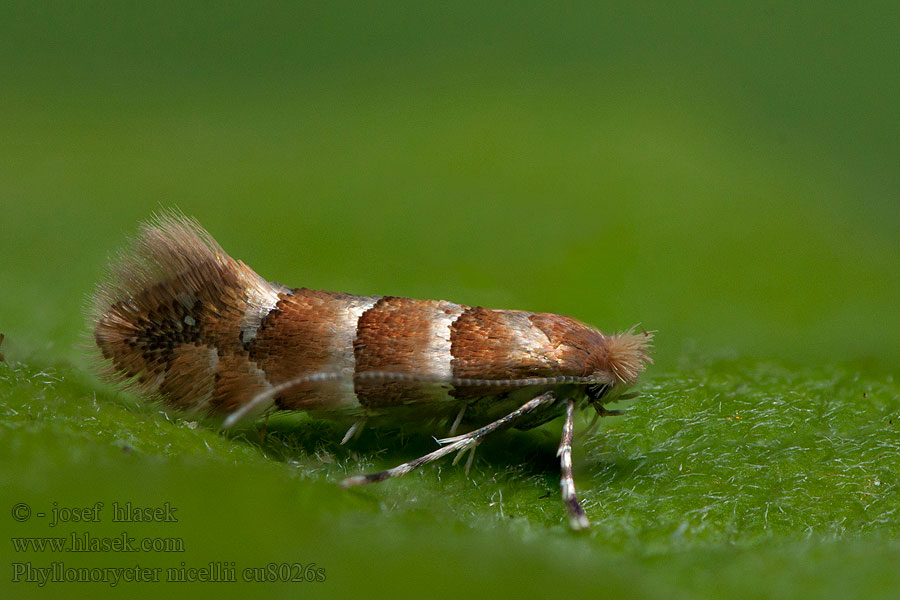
x,y
301,335
398,335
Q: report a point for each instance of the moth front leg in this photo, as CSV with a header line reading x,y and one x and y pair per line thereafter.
x,y
458,443
577,519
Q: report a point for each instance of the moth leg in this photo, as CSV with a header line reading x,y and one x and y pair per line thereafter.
x,y
469,460
454,444
577,519
458,419
264,430
354,431
605,412
601,412
593,426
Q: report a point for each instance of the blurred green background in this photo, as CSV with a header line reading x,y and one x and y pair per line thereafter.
x,y
725,175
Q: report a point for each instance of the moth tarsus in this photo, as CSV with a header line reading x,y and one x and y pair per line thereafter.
x,y
180,320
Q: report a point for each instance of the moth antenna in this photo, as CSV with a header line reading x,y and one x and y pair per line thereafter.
x,y
476,382
325,376
270,393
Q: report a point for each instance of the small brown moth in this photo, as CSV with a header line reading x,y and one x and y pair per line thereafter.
x,y
180,320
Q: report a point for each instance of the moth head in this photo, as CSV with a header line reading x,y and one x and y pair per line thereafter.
x,y
620,360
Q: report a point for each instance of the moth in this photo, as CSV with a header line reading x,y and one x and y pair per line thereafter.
x,y
179,320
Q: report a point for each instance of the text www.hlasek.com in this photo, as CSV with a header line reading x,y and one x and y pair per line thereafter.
x,y
85,542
